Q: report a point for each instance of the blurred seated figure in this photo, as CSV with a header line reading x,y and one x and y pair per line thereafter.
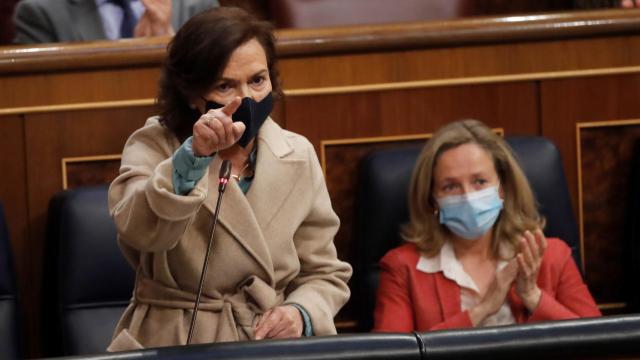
x,y
307,14
475,253
600,4
44,21
628,4
322,13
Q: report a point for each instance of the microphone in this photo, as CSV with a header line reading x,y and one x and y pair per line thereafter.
x,y
223,177
223,180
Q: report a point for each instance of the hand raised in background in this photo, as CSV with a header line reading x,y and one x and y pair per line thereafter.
x,y
156,19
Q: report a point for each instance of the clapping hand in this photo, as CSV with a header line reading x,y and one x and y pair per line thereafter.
x,y
156,19
532,247
496,293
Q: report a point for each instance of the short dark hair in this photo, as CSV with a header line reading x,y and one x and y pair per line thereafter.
x,y
197,56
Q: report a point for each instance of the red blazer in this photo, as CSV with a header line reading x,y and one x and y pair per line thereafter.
x,y
411,300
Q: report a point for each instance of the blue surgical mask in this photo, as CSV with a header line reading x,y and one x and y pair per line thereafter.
x,y
251,113
470,215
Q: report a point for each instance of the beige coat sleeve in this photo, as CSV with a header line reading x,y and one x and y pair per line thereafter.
x,y
148,215
321,287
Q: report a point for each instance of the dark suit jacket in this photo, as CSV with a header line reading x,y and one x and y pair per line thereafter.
x,y
411,300
44,21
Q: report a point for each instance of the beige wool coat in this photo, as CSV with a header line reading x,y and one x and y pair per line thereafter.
x,y
273,245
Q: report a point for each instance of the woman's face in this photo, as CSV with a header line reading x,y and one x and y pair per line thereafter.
x,y
246,75
463,169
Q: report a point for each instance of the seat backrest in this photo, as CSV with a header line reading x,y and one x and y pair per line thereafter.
x,y
87,280
381,207
542,164
10,339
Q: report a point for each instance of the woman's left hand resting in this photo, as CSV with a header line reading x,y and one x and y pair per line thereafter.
x,y
280,322
532,247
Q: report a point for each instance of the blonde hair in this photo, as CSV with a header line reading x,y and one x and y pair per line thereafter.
x,y
520,211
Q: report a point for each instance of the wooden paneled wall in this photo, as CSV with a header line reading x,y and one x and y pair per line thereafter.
x,y
538,75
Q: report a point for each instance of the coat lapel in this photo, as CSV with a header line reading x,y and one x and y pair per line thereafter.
x,y
276,175
87,19
245,217
237,217
448,295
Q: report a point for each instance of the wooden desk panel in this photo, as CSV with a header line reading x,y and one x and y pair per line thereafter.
x,y
596,104
83,86
565,102
520,59
412,111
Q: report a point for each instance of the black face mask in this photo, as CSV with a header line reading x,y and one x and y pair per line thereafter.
x,y
251,113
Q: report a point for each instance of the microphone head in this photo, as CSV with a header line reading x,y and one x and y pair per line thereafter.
x,y
225,173
225,169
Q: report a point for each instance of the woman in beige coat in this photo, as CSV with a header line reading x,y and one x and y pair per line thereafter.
x,y
273,270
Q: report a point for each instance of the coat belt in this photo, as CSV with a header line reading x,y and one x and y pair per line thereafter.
x,y
252,297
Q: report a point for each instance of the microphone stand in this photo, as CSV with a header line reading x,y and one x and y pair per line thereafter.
x,y
223,179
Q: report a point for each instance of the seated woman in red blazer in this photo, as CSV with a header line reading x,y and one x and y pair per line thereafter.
x,y
476,255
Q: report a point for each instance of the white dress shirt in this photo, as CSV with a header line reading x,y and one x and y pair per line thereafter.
x,y
112,14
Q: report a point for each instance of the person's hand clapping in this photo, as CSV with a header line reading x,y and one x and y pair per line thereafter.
x,y
156,19
532,247
280,322
215,130
496,293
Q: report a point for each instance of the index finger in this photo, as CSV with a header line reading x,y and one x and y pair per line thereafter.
x,y
541,239
231,107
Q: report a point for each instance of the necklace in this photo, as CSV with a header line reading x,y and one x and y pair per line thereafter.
x,y
248,167
240,174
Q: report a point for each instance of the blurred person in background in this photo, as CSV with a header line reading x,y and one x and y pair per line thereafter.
x,y
600,4
46,21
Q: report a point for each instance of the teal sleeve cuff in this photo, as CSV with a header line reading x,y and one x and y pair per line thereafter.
x,y
308,328
188,169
